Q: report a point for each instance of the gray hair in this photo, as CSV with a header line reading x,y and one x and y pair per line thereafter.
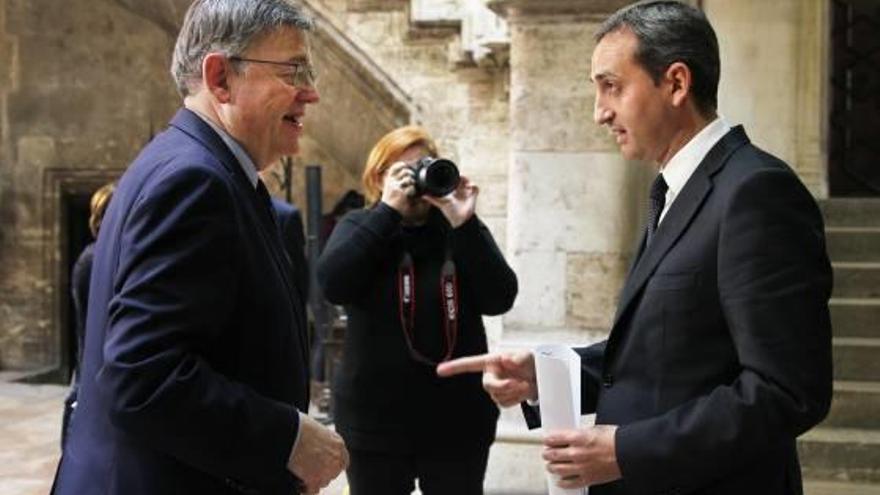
x,y
227,26
669,32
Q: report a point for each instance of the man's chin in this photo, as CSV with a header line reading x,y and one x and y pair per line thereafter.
x,y
291,150
629,153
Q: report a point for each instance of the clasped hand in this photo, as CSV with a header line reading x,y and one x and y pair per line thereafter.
x,y
320,455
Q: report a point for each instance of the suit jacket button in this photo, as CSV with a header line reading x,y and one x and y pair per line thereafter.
x,y
607,380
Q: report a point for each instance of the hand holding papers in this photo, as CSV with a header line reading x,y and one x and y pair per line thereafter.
x,y
579,456
559,384
576,456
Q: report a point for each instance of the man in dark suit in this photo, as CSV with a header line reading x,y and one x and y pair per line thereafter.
x,y
195,376
720,352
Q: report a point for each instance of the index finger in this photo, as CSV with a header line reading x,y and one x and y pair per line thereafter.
x,y
469,364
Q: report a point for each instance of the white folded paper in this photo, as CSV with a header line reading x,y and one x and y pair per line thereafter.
x,y
559,390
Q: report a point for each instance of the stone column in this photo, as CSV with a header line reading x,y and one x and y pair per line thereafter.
x,y
774,73
573,201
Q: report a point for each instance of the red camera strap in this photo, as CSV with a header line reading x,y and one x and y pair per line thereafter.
x,y
406,289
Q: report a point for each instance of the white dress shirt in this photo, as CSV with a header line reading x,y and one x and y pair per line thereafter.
x,y
679,169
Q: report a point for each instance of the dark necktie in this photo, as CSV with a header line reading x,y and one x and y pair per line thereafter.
x,y
655,206
266,201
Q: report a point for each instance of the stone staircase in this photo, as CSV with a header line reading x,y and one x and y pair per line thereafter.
x,y
846,447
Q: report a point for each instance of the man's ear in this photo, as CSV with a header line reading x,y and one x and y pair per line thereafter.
x,y
215,76
678,75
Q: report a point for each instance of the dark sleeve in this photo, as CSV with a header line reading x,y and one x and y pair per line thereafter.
x,y
175,290
80,279
774,281
356,249
483,269
592,358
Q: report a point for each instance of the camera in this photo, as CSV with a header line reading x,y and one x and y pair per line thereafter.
x,y
435,176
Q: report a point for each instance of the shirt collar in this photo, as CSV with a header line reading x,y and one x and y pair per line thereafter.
x,y
682,165
244,160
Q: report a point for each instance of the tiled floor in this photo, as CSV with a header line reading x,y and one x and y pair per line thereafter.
x,y
30,422
30,425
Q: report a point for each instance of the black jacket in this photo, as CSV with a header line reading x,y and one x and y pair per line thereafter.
x,y
384,399
720,353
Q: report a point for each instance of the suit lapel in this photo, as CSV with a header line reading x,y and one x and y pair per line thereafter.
x,y
272,238
193,125
677,219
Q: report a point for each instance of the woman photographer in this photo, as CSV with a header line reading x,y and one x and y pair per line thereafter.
x,y
416,273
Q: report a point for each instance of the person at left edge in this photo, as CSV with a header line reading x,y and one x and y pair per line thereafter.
x,y
79,292
196,364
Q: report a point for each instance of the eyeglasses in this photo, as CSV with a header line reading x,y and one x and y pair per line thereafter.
x,y
303,74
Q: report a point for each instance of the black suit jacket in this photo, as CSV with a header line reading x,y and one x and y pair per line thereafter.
x,y
195,358
720,353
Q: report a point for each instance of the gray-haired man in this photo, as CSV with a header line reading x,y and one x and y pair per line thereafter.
x,y
195,374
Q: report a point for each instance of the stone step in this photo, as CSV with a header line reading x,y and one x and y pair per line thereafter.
x,y
841,454
855,405
855,317
851,212
856,280
856,358
853,243
815,487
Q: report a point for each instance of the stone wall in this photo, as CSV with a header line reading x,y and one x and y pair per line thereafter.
x,y
84,91
573,200
774,64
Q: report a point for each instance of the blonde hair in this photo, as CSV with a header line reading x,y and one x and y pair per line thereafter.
x,y
98,205
386,152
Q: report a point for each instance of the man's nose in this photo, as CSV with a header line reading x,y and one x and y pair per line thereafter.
x,y
601,114
309,95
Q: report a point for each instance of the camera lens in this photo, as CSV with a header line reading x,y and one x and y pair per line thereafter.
x,y
436,177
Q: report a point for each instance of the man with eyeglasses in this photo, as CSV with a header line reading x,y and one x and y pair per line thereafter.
x,y
195,374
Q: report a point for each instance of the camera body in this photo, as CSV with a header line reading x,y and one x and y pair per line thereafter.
x,y
435,177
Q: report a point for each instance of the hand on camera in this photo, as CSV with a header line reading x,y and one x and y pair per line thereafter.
x,y
459,205
399,187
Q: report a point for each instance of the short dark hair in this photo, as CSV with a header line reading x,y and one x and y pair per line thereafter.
x,y
668,32
227,26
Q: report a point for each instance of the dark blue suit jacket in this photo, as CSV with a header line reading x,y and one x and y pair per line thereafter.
x,y
290,226
196,357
